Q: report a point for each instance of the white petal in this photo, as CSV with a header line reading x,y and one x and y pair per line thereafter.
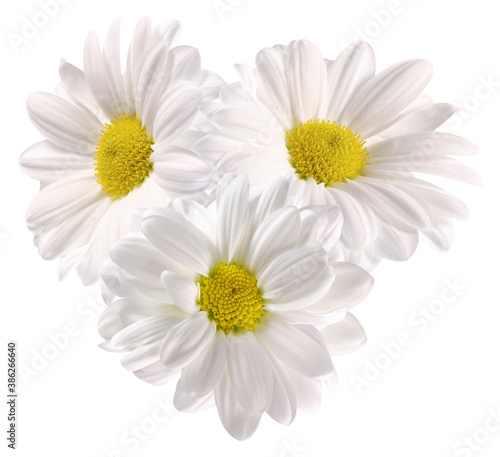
x,y
233,214
187,63
441,235
120,314
307,81
237,422
424,118
395,242
190,402
155,374
179,239
297,348
417,146
352,68
95,74
112,66
186,340
276,234
249,371
351,285
283,404
147,330
389,198
48,163
68,126
291,270
203,373
274,197
183,291
75,87
360,222
272,85
311,291
138,257
307,391
64,198
434,165
73,232
320,225
181,171
345,336
178,106
142,356
383,97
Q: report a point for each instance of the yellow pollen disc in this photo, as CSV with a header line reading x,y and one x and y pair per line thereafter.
x,y
231,299
122,156
326,152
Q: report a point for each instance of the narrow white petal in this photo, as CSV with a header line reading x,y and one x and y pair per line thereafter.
x,y
47,162
64,124
181,171
95,74
307,81
395,242
237,422
203,373
145,330
274,197
183,291
186,65
142,356
311,291
233,215
62,199
352,68
383,97
272,85
345,336
75,87
291,270
351,285
297,348
186,340
283,404
155,374
190,402
249,371
178,106
276,234
180,239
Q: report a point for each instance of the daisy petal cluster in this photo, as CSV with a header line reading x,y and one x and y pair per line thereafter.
x,y
238,298
352,137
232,225
115,140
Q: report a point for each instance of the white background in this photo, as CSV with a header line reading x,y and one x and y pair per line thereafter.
x,y
77,400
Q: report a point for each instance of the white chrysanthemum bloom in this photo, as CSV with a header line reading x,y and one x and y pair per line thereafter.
x,y
115,141
238,298
353,138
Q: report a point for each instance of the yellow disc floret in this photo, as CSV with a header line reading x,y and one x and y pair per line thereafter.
x,y
231,298
327,152
122,156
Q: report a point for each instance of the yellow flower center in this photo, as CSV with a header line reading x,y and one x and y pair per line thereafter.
x,y
231,298
122,156
326,152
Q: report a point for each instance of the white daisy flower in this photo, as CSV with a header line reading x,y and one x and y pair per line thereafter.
x,y
115,141
353,137
238,298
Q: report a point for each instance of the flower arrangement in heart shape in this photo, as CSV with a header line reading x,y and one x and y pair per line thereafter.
x,y
232,225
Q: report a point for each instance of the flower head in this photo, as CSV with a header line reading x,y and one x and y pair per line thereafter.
x,y
352,138
239,298
115,141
